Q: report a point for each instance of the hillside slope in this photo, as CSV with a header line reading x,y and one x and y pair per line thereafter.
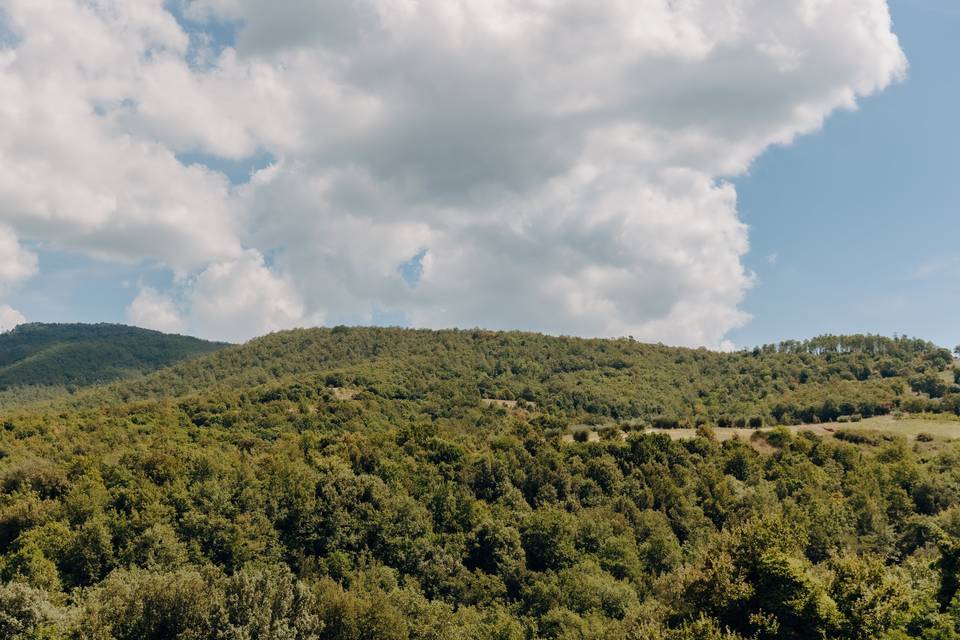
x,y
623,380
77,355
352,483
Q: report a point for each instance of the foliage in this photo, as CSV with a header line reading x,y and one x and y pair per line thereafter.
x,y
78,355
351,484
586,381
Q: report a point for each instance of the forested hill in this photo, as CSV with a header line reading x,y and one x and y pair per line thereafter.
x,y
360,484
77,355
623,380
380,484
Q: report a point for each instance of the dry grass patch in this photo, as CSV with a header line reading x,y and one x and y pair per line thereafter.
x,y
926,427
511,405
342,393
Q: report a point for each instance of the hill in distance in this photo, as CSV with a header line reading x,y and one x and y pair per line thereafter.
x,y
80,355
591,380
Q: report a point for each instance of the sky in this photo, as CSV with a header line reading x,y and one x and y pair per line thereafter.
x,y
862,219
717,174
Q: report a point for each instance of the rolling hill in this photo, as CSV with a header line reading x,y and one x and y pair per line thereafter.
x,y
79,355
359,483
592,379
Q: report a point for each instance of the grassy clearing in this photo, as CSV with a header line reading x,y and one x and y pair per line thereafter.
x,y
941,427
910,426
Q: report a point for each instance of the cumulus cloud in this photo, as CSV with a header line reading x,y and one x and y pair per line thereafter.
x,y
72,174
16,263
153,310
236,299
229,300
9,318
554,166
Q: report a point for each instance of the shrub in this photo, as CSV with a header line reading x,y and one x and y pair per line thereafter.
x,y
862,436
778,437
706,431
609,433
928,383
664,422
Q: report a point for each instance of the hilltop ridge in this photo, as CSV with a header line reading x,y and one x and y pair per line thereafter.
x,y
620,379
78,355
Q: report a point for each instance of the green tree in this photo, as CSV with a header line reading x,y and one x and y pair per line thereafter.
x,y
871,599
547,538
24,611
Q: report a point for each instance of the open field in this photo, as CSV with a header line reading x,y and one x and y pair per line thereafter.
x,y
909,427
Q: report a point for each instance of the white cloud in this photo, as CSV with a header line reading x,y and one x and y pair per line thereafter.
x,y
229,300
16,263
242,298
153,310
559,162
9,318
71,173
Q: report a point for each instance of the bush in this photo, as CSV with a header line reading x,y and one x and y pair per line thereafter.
x,y
664,422
778,437
706,431
863,436
924,437
928,383
856,437
609,433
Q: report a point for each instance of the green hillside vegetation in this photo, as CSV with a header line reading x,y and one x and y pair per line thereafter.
x,y
594,380
351,484
79,355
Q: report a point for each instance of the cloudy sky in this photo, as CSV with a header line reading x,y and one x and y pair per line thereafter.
x,y
697,172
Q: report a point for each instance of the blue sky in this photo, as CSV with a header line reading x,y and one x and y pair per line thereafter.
x,y
429,183
863,218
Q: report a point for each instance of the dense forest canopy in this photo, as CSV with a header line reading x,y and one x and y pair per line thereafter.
x,y
362,484
77,355
622,380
